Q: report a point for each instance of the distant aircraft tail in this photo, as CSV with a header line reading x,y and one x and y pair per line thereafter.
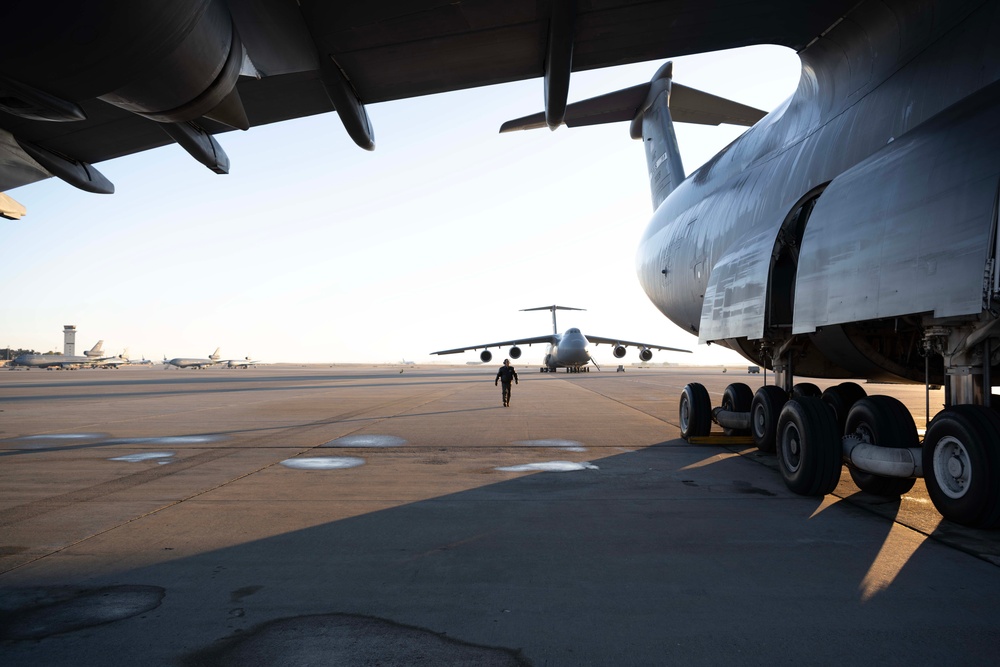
x,y
553,309
652,109
215,355
96,351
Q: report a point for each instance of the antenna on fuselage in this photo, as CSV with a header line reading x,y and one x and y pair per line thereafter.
x,y
553,309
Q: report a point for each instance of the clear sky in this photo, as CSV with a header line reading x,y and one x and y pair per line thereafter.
x,y
313,250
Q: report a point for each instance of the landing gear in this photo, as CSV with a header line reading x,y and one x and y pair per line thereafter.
x,y
765,410
806,389
882,421
808,447
737,398
842,398
695,411
961,461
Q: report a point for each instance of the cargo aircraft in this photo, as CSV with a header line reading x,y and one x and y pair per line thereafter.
x,y
91,357
244,363
123,359
186,362
849,233
569,350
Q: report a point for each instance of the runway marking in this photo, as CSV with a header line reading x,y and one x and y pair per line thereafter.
x,y
567,445
58,437
550,466
166,440
31,510
366,441
324,463
144,456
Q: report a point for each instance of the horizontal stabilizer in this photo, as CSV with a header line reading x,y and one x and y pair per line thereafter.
x,y
620,105
551,308
687,105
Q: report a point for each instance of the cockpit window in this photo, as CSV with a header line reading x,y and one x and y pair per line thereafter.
x,y
573,331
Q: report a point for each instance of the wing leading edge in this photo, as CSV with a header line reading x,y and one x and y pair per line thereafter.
x,y
551,339
600,340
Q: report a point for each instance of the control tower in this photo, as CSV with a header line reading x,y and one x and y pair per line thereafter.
x,y
69,340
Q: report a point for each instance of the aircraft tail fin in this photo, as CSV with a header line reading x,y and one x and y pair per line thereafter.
x,y
96,351
652,108
215,355
553,309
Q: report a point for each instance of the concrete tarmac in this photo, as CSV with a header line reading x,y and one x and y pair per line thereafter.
x,y
357,515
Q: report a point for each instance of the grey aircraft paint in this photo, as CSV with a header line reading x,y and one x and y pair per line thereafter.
x,y
184,362
850,233
91,357
882,222
569,350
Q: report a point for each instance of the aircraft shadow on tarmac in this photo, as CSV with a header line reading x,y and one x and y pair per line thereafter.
x,y
664,555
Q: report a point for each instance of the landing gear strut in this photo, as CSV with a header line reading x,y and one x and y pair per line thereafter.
x,y
814,434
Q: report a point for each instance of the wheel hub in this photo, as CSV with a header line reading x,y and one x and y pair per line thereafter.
x,y
758,421
791,447
952,468
955,467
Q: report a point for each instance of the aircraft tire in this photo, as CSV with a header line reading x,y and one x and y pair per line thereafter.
x,y
765,410
695,411
961,461
737,398
882,421
842,398
806,389
808,447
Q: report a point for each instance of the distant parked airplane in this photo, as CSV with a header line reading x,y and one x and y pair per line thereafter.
x,y
246,362
64,361
566,350
184,362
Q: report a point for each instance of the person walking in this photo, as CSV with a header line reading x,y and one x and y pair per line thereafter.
x,y
504,376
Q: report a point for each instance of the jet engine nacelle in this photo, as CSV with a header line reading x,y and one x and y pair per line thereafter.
x,y
618,351
515,352
645,354
485,356
170,62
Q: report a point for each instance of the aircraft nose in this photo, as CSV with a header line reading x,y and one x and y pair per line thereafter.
x,y
576,350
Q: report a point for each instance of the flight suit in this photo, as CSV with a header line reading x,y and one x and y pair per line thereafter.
x,y
504,377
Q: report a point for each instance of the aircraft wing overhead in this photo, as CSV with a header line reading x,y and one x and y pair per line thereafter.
x,y
599,340
519,341
107,78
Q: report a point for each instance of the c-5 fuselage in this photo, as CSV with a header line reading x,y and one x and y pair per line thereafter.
x,y
567,350
855,215
853,230
850,233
